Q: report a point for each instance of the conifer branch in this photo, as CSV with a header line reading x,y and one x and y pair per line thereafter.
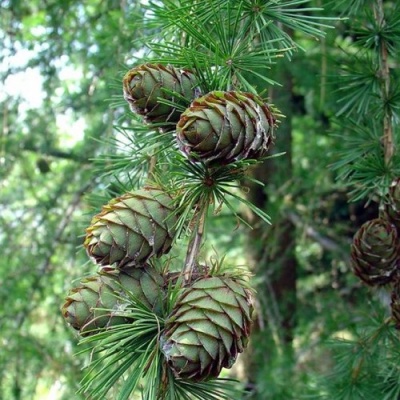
x,y
195,243
384,75
152,166
200,50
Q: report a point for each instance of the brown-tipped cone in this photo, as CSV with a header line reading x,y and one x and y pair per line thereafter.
x,y
145,84
395,304
132,228
101,301
226,127
208,327
375,252
393,207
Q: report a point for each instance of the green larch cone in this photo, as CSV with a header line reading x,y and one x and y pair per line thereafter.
x,y
226,127
393,208
145,84
208,327
395,304
87,306
375,251
132,228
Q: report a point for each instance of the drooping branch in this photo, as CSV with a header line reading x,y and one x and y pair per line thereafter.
x,y
384,75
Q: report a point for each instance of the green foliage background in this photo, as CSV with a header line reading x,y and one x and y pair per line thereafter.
x,y
55,175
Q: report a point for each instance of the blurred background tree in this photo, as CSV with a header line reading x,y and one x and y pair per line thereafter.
x,y
62,64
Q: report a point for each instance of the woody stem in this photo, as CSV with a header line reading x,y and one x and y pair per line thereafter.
x,y
195,243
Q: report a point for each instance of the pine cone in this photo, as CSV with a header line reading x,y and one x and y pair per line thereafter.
x,y
393,208
208,327
375,251
132,228
143,86
87,307
225,127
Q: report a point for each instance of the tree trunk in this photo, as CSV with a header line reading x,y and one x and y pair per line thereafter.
x,y
272,248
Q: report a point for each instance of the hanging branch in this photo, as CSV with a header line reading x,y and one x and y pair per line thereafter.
x,y
384,75
211,138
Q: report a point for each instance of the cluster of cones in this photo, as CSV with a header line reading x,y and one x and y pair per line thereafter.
x,y
210,320
375,251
